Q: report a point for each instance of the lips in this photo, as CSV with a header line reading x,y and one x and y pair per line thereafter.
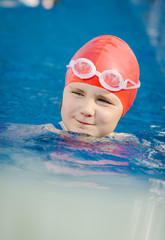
x,y
84,123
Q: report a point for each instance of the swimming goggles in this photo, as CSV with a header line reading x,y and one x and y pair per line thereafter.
x,y
109,79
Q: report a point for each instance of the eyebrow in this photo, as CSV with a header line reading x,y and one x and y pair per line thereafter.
x,y
108,98
77,89
104,97
101,96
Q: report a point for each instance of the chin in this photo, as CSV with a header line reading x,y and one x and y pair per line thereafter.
x,y
83,131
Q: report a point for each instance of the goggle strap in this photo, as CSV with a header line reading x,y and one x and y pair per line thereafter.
x,y
133,83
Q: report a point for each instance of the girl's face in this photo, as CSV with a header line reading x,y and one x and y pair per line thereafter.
x,y
90,109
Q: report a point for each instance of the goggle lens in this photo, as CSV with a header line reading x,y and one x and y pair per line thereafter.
x,y
82,68
111,79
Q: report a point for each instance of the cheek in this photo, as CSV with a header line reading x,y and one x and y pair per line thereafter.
x,y
68,107
109,118
104,117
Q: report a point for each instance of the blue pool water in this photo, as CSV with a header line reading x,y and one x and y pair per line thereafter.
x,y
68,186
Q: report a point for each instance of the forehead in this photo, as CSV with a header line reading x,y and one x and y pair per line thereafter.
x,y
87,87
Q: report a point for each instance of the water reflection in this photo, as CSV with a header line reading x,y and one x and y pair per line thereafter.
x,y
47,4
152,14
30,3
80,210
147,215
80,155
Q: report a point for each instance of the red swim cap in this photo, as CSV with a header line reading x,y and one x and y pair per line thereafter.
x,y
109,53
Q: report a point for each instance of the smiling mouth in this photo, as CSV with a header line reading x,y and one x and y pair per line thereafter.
x,y
84,123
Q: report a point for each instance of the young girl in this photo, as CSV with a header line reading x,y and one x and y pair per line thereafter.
x,y
100,86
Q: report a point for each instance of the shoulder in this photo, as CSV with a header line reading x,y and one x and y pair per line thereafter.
x,y
123,137
26,129
51,127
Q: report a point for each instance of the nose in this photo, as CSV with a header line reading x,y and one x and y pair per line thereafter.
x,y
88,108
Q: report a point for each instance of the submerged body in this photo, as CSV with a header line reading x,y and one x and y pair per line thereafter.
x,y
58,182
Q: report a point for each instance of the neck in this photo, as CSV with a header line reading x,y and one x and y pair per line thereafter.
x,y
63,126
